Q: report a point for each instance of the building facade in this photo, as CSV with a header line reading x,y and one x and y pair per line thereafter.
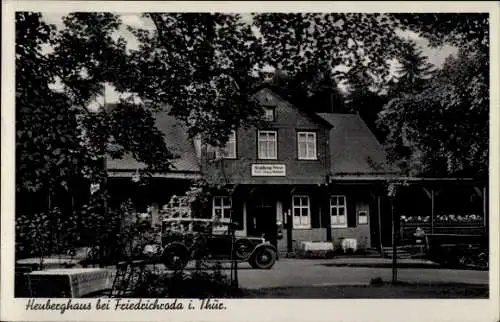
x,y
300,176
283,173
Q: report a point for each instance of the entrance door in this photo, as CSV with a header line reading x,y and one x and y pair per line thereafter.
x,y
262,219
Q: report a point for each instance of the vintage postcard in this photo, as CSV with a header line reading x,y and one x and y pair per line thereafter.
x,y
256,161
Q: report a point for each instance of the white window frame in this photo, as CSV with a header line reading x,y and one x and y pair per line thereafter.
x,y
269,114
267,142
229,150
307,154
303,223
359,217
225,204
334,210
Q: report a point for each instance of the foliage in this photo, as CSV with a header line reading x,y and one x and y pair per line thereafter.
x,y
469,31
58,138
414,71
61,143
198,65
203,68
442,130
294,42
197,284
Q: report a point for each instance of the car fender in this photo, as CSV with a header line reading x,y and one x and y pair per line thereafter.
x,y
175,245
265,245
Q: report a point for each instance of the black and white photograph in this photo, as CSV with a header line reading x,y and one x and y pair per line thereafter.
x,y
220,155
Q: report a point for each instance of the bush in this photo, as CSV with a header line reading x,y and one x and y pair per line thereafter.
x,y
376,281
198,284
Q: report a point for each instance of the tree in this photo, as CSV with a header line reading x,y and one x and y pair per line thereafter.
x,y
60,144
314,89
469,31
414,71
294,42
201,67
58,137
365,99
442,130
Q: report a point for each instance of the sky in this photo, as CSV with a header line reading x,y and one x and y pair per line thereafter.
x,y
436,56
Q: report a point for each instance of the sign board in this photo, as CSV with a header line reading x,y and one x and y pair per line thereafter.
x,y
268,170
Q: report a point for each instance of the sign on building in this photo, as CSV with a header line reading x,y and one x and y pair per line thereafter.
x,y
268,170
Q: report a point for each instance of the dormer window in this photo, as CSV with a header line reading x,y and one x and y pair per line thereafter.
x,y
269,114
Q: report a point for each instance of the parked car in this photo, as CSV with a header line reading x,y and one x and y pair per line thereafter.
x,y
190,239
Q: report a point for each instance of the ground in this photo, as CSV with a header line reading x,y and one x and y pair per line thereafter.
x,y
351,277
352,271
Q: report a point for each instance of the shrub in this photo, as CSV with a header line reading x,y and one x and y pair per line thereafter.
x,y
376,281
196,284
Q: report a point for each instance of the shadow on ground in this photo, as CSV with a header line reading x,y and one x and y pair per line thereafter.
x,y
399,265
384,291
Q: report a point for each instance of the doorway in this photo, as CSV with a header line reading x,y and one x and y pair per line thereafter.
x,y
262,219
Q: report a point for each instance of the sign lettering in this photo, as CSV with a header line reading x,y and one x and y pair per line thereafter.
x,y
268,170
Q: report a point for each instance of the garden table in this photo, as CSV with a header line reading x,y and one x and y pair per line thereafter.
x,y
70,282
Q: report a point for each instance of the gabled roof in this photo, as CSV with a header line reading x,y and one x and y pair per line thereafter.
x,y
178,143
264,91
354,150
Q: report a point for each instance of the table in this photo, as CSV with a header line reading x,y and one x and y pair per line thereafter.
x,y
70,282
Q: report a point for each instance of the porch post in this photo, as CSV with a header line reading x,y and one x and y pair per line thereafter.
x,y
289,225
379,215
432,210
325,203
394,248
485,208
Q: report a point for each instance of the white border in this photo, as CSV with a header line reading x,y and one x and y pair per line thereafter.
x,y
261,310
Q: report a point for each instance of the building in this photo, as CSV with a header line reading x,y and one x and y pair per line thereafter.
x,y
311,177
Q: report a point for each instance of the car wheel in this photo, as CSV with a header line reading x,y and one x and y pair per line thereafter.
x,y
175,258
243,248
263,258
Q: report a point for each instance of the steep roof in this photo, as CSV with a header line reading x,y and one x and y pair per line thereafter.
x,y
178,143
267,96
354,150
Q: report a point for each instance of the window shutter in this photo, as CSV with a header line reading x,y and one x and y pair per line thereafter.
x,y
351,211
325,212
314,213
237,213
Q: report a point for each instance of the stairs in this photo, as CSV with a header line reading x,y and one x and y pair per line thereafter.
x,y
401,252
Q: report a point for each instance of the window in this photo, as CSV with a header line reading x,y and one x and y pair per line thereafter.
x,y
363,218
338,211
267,144
306,145
221,208
301,212
229,150
269,114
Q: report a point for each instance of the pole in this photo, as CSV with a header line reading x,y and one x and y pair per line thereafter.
x,y
379,214
485,209
104,193
394,249
432,211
